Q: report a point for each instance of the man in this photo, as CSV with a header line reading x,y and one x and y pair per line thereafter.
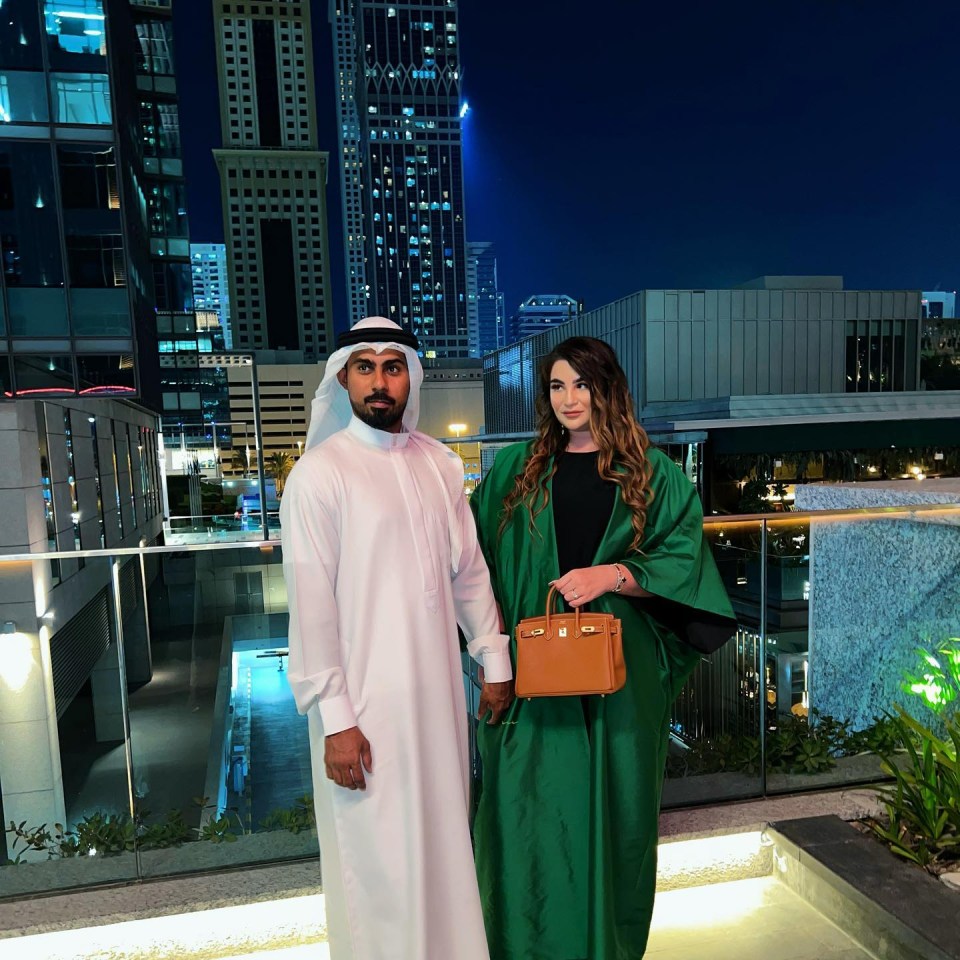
x,y
381,561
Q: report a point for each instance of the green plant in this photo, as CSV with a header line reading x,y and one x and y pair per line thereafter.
x,y
922,806
799,747
937,682
38,839
104,834
100,834
922,822
796,746
218,829
882,737
295,819
157,836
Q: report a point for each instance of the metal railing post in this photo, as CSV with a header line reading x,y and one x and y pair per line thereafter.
x,y
762,667
124,695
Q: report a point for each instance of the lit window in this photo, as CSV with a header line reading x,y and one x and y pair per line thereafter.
x,y
22,98
82,98
77,25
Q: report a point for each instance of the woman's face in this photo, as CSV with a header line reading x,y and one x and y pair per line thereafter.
x,y
569,397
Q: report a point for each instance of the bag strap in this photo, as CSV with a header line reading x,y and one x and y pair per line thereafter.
x,y
551,604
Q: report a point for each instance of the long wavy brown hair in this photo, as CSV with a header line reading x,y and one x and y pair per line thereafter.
x,y
622,441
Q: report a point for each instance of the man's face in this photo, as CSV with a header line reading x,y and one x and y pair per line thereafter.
x,y
378,385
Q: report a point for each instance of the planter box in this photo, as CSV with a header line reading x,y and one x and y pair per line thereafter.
x,y
894,910
45,876
733,785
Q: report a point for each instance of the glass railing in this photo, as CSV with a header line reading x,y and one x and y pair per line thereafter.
x,y
147,727
220,528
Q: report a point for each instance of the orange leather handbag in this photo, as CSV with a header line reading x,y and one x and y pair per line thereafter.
x,y
569,654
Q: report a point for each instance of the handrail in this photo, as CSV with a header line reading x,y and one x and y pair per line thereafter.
x,y
854,513
850,513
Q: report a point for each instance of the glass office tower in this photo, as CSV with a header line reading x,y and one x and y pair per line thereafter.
x,y
76,290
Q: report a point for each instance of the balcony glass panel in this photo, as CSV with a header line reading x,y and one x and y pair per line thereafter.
x,y
714,749
164,720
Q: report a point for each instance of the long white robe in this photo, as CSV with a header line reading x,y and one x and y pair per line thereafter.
x,y
374,524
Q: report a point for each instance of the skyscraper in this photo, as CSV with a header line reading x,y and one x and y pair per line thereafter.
x,y
76,296
273,178
211,283
190,396
485,321
164,184
398,69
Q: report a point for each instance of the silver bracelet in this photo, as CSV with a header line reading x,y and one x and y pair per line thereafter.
x,y
621,578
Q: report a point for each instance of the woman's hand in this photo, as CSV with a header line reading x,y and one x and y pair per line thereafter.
x,y
586,583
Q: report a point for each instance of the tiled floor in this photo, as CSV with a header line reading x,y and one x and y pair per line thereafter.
x,y
744,920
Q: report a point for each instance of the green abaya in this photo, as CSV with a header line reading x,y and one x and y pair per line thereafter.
x,y
566,830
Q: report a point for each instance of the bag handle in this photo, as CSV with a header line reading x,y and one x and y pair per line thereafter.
x,y
551,603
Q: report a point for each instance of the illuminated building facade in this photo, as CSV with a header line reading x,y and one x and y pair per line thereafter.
x,y
485,319
273,179
211,284
401,117
76,288
542,312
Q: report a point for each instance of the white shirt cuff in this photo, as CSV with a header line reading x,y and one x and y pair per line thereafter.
x,y
493,651
497,667
337,714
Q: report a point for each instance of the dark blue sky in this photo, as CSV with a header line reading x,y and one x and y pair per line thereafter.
x,y
620,145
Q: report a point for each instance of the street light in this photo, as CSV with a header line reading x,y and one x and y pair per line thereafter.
x,y
299,449
456,429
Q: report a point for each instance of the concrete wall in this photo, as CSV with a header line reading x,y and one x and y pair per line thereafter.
x,y
879,588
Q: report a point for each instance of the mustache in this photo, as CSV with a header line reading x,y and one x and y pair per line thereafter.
x,y
379,398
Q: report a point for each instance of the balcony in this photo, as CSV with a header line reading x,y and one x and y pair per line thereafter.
x,y
147,730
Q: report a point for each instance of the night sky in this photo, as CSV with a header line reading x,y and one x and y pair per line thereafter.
x,y
618,145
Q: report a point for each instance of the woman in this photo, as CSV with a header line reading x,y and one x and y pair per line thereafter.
x,y
566,830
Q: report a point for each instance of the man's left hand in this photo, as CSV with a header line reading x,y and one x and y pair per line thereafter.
x,y
495,698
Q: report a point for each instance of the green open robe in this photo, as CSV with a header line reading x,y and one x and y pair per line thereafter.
x,y
566,830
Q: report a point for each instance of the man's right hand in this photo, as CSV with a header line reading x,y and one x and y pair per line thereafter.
x,y
346,754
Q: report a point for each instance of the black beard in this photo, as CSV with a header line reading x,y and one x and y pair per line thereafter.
x,y
379,419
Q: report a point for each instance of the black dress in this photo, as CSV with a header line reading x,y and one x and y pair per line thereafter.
x,y
582,504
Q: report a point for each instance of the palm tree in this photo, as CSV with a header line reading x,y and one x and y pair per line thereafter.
x,y
241,460
279,466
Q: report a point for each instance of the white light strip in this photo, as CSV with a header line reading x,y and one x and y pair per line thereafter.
x,y
719,905
242,930
708,857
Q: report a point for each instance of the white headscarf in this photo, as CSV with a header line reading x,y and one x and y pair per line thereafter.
x,y
331,410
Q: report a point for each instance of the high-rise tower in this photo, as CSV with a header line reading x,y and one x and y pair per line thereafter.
x,y
273,178
398,70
